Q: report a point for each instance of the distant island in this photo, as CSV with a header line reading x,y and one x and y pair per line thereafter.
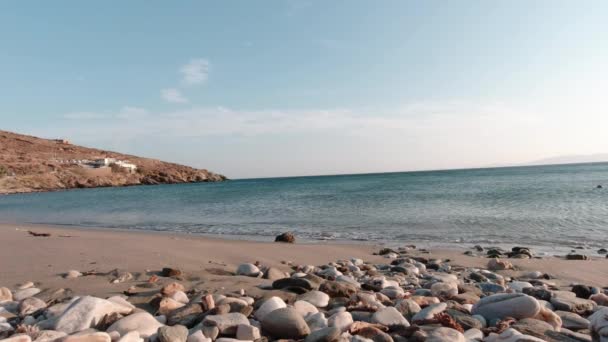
x,y
31,164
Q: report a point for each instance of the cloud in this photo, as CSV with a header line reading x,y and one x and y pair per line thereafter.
x,y
173,95
195,72
131,113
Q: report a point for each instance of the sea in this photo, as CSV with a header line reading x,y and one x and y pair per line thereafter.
x,y
555,207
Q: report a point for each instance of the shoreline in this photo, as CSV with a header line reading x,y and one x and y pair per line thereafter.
x,y
136,250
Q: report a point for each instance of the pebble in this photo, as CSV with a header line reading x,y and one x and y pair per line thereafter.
x,y
316,298
270,305
389,317
226,323
71,274
49,336
305,308
5,295
285,323
170,289
88,337
429,312
249,270
316,321
198,337
247,332
86,312
176,333
445,335
444,290
180,296
514,305
142,322
131,336
573,321
340,320
31,305
567,301
329,334
25,293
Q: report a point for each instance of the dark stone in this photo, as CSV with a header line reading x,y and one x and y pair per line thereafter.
x,y
286,237
292,283
171,272
574,256
465,320
602,251
582,291
187,315
538,293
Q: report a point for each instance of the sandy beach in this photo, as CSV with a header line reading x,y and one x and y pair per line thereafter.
x,y
45,259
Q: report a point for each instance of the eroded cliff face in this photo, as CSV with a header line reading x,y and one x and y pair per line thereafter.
x,y
30,164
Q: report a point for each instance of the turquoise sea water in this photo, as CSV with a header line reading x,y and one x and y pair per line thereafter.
x,y
540,205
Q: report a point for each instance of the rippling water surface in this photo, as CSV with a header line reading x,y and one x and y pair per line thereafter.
x,y
541,205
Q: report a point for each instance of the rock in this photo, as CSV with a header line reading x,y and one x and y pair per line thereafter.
x,y
180,296
167,305
18,338
26,285
316,298
567,301
249,270
5,295
600,299
407,307
210,332
538,293
511,335
574,256
49,336
271,304
142,322
287,283
171,272
465,320
285,237
198,337
316,321
285,323
444,290
247,332
30,306
473,335
573,321
89,337
340,320
496,264
499,306
445,335
273,273
170,289
599,324
371,333
329,334
519,286
429,312
52,296
304,308
338,289
86,312
226,323
25,293
389,317
176,333
71,274
132,336
582,291
491,287
533,327
187,315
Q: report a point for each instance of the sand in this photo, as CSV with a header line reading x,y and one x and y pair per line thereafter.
x,y
207,262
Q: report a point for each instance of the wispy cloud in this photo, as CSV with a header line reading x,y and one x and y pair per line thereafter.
x,y
195,72
173,95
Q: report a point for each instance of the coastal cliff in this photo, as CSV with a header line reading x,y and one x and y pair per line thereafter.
x,y
31,164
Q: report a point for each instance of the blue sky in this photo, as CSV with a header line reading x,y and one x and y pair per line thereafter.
x,y
278,88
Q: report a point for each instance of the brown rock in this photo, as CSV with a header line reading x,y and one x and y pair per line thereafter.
x,y
5,294
170,289
286,237
496,264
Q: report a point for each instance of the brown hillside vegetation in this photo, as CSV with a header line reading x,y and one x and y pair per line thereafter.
x,y
30,164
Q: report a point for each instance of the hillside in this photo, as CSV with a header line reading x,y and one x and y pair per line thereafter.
x,y
30,164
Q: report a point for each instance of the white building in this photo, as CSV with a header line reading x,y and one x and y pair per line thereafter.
x,y
131,167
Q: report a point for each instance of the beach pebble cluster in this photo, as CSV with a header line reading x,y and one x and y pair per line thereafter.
x,y
406,298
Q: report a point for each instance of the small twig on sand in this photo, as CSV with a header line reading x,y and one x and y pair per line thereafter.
x,y
38,234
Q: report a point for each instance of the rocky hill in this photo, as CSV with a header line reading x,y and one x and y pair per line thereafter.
x,y
30,164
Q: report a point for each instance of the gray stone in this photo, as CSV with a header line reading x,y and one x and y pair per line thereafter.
x,y
445,335
340,320
176,333
25,293
226,323
86,312
573,321
498,306
429,312
249,270
269,305
407,307
316,321
567,301
247,332
30,306
285,323
316,298
389,316
49,336
329,334
532,327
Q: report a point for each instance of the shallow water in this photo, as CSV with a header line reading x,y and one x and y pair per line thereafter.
x,y
551,206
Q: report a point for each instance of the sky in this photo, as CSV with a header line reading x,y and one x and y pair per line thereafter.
x,y
283,88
